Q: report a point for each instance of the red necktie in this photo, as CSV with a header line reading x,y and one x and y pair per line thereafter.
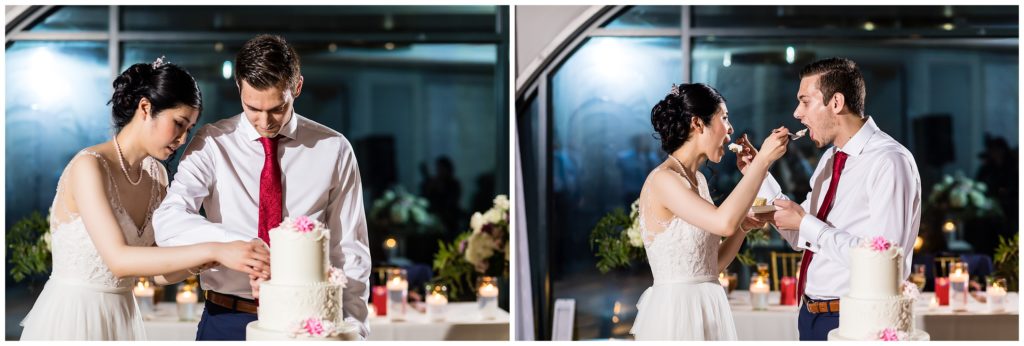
x,y
826,206
270,190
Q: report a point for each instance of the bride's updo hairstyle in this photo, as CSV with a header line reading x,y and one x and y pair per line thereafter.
x,y
165,85
672,115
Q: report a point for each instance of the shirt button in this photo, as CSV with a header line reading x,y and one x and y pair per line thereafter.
x,y
807,244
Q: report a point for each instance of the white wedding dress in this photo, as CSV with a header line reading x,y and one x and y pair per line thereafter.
x,y
686,301
83,300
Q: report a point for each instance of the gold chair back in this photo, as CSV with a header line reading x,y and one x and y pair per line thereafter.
x,y
942,265
784,264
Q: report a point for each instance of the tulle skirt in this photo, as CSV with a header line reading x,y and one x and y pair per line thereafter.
x,y
684,311
68,310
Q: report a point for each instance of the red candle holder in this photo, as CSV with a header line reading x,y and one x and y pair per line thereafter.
x,y
942,290
380,300
787,291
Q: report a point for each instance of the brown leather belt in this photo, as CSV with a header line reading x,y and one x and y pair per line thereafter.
x,y
232,302
821,306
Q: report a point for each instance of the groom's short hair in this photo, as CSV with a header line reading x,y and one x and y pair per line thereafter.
x,y
267,61
839,75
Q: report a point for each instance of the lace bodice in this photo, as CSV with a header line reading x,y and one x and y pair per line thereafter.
x,y
678,251
75,257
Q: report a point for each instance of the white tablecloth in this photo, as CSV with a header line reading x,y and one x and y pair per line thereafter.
x,y
780,322
463,323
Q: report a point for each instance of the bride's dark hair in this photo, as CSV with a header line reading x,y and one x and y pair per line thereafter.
x,y
165,85
672,115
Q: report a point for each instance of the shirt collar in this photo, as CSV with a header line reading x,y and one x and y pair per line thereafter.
x,y
289,130
859,140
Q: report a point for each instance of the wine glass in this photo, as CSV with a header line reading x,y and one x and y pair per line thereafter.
x,y
762,269
918,277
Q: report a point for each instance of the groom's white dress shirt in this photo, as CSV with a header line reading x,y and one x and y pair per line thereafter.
x,y
879,194
220,172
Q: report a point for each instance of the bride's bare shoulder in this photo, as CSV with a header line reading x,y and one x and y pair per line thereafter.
x,y
663,176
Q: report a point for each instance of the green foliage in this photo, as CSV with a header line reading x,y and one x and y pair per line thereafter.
x,y
616,243
746,258
611,244
1007,260
29,246
453,270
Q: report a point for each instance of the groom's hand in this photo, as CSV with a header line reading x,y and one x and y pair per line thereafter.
x,y
788,215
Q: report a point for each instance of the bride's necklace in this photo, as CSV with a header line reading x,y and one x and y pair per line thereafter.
x,y
120,157
683,170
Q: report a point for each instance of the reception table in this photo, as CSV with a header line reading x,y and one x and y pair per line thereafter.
x,y
462,323
780,322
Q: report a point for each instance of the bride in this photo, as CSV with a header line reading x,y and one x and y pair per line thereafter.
x,y
682,229
100,218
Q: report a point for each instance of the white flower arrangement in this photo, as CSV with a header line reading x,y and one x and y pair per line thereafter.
x,y
961,192
398,207
490,235
633,232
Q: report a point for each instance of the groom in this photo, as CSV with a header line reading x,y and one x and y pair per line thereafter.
x,y
866,185
249,171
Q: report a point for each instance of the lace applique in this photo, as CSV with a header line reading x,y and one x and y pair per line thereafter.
x,y
74,255
679,250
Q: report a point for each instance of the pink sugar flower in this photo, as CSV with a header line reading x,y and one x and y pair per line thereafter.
x,y
889,334
880,244
303,224
313,327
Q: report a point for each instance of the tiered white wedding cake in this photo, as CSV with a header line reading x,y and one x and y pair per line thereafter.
x,y
878,306
303,298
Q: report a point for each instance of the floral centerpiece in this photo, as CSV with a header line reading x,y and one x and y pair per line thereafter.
x,y
617,242
482,251
401,210
28,243
962,197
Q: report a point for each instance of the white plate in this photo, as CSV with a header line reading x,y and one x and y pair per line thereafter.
x,y
762,209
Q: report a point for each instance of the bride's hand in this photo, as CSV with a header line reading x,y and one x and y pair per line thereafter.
x,y
250,257
752,222
774,145
255,282
745,156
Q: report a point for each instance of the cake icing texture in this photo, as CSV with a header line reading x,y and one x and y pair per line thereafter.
x,y
879,305
303,298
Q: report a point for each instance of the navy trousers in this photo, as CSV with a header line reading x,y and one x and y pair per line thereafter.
x,y
815,327
220,323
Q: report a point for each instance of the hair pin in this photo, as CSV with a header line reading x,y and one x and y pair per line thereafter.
x,y
161,61
675,90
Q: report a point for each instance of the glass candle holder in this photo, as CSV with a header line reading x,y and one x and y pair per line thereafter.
x,y
759,292
187,300
487,297
958,286
398,294
144,294
723,280
995,294
437,302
